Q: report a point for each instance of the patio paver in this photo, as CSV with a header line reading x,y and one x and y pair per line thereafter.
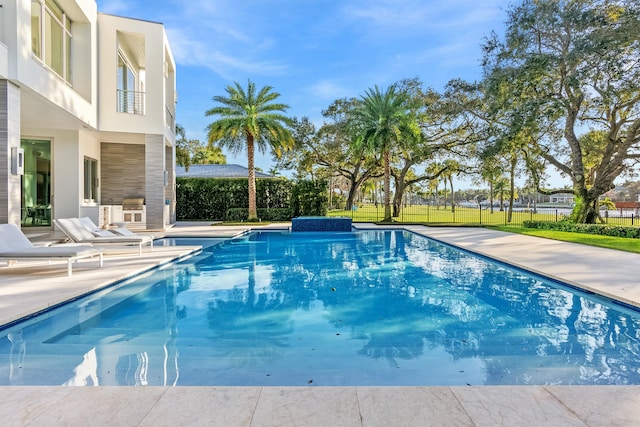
x,y
601,270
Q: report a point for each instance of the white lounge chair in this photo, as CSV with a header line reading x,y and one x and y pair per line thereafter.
x,y
118,231
77,232
15,246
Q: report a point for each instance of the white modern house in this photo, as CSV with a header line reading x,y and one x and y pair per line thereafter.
x,y
87,116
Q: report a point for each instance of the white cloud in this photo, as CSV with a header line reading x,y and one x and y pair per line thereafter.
x,y
411,17
114,7
327,89
200,45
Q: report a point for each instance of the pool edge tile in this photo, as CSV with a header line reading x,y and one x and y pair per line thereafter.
x,y
601,405
97,406
204,406
307,406
22,405
410,406
514,406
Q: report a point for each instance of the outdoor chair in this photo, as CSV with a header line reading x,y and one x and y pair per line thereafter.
x,y
15,246
78,232
120,231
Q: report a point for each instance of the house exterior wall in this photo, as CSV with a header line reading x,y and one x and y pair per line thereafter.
x,y
146,46
121,173
79,117
76,98
9,138
155,185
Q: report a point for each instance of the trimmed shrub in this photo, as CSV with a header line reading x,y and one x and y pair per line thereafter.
x,y
600,229
278,199
309,198
210,199
264,214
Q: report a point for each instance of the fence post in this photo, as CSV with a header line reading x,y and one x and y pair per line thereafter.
x,y
556,215
631,219
480,209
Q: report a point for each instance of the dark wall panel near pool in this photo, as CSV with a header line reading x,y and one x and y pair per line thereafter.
x,y
313,223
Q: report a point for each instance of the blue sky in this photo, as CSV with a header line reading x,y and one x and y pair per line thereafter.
x,y
313,51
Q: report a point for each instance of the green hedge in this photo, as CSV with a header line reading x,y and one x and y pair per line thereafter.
x,y
265,214
601,229
309,198
210,199
226,199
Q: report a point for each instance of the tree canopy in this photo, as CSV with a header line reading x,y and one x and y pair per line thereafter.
x,y
248,118
560,88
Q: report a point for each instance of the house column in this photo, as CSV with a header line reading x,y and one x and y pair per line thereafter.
x,y
10,206
154,181
170,190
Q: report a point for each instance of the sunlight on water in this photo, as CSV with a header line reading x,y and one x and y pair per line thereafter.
x,y
361,308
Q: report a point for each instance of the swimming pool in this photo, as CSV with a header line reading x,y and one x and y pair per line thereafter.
x,y
359,308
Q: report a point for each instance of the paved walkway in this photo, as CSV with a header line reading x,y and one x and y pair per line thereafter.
x,y
31,288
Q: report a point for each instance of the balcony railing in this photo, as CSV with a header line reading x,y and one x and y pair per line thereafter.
x,y
170,119
131,102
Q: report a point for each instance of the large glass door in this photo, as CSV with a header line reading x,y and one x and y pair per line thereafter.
x,y
36,183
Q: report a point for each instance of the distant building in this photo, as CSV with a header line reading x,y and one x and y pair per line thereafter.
x,y
217,171
564,198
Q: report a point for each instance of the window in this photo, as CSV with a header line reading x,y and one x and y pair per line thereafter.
x,y
130,100
51,36
90,180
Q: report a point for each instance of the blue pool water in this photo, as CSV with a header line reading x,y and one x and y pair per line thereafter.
x,y
355,308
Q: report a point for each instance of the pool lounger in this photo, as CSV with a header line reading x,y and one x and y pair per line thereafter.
x,y
78,232
15,246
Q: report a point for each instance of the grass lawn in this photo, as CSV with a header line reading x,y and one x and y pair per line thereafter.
x,y
435,215
441,215
620,243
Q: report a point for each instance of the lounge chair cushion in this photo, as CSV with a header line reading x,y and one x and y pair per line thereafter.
x,y
13,243
123,231
94,229
74,229
15,246
50,252
78,232
102,233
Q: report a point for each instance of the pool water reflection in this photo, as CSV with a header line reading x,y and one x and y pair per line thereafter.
x,y
356,308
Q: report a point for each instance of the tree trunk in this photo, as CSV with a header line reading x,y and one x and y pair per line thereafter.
x,y
253,211
375,193
355,185
350,197
512,178
444,184
387,187
453,205
491,195
585,209
400,181
397,197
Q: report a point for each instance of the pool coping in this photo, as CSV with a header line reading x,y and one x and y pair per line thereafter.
x,y
276,406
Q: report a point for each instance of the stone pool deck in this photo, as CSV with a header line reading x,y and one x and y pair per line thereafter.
x,y
25,289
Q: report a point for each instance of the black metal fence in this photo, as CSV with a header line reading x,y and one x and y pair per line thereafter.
x,y
430,214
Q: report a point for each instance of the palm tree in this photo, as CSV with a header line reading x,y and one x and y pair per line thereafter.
x,y
382,120
248,118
